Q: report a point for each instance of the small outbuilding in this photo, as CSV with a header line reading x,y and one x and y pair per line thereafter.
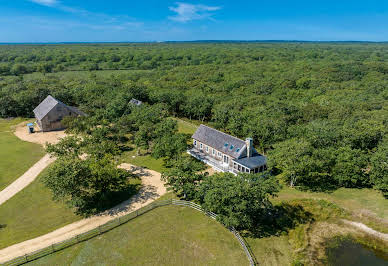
x,y
136,102
50,113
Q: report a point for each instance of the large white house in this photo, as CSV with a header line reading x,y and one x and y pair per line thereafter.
x,y
226,153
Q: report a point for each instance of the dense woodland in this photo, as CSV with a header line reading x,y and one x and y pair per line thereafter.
x,y
319,111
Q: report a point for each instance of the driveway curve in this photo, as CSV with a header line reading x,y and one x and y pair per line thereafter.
x,y
152,189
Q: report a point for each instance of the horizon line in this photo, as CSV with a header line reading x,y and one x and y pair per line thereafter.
x,y
195,41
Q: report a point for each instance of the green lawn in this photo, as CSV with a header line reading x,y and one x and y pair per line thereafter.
x,y
168,235
31,213
148,161
17,156
275,250
186,127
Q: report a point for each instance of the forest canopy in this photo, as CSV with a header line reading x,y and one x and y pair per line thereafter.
x,y
317,110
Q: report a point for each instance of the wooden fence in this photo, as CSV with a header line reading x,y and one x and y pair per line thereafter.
x,y
117,222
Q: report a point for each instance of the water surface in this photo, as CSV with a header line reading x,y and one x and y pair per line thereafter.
x,y
345,251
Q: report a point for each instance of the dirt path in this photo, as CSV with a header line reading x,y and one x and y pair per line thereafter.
x,y
368,230
25,179
42,138
152,189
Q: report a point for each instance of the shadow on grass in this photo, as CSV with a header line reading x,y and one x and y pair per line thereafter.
x,y
281,219
2,226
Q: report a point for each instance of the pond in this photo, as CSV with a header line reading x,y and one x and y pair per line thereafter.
x,y
345,251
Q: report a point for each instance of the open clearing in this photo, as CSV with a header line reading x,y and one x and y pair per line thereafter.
x,y
17,156
168,235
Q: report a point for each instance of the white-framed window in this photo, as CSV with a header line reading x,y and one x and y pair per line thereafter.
x,y
219,154
207,148
195,143
214,152
200,146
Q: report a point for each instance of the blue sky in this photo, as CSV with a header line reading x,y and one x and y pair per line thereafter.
x,y
159,20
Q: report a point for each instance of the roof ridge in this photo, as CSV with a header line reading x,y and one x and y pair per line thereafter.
x,y
223,132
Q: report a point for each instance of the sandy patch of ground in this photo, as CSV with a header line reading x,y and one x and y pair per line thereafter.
x,y
25,179
152,189
210,170
367,230
40,137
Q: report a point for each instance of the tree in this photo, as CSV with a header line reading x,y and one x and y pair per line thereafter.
x,y
290,157
183,177
350,169
170,146
19,69
379,171
88,185
242,201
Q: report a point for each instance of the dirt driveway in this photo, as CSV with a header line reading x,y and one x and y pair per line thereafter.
x,y
38,137
152,189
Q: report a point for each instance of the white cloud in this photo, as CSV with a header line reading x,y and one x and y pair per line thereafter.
x,y
46,2
186,12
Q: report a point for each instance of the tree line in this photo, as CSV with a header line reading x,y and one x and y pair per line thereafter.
x,y
318,111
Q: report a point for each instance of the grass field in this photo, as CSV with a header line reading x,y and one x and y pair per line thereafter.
x,y
31,213
168,235
17,156
354,200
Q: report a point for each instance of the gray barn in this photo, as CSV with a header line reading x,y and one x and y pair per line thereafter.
x,y
50,112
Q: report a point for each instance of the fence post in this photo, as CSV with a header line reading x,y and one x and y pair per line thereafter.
x,y
137,213
25,257
52,247
99,229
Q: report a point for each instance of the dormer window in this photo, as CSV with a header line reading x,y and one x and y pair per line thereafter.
x,y
231,147
238,149
226,144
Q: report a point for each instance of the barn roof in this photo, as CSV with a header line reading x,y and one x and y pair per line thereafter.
x,y
46,106
221,141
49,103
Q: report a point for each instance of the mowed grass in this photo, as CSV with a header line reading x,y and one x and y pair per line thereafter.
x,y
31,213
274,250
16,156
186,127
147,161
168,235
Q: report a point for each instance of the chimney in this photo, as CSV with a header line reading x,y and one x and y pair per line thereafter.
x,y
249,144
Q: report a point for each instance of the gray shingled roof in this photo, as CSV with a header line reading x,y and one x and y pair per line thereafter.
x,y
49,103
218,140
252,162
135,102
45,106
